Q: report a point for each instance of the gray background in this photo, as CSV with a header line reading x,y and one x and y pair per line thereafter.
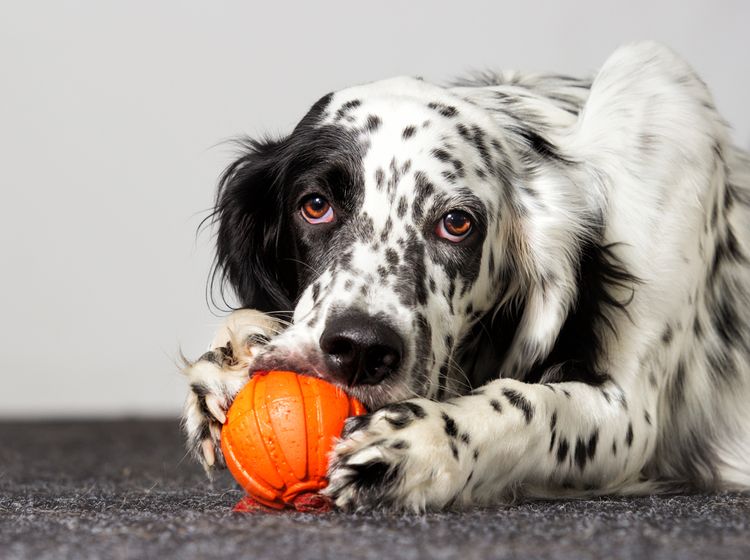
x,y
111,122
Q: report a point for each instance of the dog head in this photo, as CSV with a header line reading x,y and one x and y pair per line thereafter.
x,y
388,225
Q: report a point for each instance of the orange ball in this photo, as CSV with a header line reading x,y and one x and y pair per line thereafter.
x,y
279,433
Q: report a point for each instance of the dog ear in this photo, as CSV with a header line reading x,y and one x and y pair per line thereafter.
x,y
648,122
253,253
647,117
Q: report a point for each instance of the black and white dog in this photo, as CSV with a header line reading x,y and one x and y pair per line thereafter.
x,y
539,285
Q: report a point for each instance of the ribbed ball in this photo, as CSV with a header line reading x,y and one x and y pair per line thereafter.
x,y
279,432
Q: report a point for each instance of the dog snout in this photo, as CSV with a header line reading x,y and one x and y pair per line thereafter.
x,y
361,349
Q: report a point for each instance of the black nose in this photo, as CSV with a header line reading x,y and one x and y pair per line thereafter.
x,y
361,349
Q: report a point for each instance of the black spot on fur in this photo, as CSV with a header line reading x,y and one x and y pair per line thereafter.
x,y
629,435
562,450
391,256
379,178
449,425
411,284
212,357
677,387
400,444
714,214
403,204
408,132
400,415
697,328
373,123
423,189
365,227
450,177
496,406
520,402
382,273
727,250
445,110
441,154
622,399
540,145
726,320
386,231
668,334
591,447
454,450
423,348
580,454
347,107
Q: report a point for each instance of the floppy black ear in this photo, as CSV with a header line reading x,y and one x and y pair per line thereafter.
x,y
253,246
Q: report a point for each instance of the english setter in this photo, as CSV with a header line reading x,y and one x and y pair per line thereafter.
x,y
537,284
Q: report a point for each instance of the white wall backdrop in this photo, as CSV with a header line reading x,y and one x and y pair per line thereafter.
x,y
111,115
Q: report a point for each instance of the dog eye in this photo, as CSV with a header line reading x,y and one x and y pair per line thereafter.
x,y
455,226
316,210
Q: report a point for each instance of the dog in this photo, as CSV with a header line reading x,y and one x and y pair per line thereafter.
x,y
537,284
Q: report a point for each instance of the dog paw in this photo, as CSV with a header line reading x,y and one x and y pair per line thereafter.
x,y
217,376
405,456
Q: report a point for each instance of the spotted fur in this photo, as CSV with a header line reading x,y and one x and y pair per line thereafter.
x,y
590,337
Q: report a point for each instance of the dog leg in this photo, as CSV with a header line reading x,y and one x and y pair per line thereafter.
x,y
505,438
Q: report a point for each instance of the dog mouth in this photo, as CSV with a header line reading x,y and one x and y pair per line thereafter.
x,y
372,395
275,358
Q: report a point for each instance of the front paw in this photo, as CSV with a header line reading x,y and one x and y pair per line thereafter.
x,y
405,456
214,381
217,376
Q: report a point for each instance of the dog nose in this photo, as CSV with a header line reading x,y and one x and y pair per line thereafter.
x,y
361,349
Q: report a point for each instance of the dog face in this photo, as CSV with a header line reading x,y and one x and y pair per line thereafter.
x,y
383,225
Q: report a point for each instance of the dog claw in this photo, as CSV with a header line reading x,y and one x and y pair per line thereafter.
x,y
209,454
212,403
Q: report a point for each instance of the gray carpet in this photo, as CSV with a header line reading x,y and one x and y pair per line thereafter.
x,y
123,490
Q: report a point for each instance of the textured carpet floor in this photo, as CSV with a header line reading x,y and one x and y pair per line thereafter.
x,y
123,490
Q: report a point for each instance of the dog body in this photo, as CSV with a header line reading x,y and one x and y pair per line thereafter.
x,y
538,284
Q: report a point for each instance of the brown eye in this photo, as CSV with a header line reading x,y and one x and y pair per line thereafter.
x,y
316,210
455,226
